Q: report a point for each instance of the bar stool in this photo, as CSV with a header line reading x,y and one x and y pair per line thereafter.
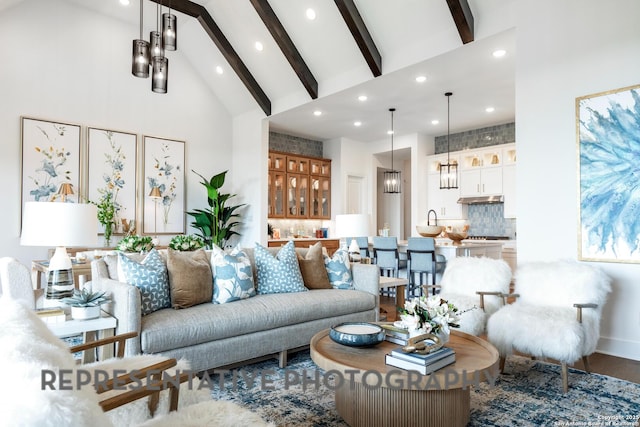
x,y
363,244
421,262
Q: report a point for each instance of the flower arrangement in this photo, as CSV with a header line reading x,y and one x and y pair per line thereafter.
x,y
429,315
106,214
189,242
136,243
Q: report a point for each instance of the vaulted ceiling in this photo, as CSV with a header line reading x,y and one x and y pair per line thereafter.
x,y
353,47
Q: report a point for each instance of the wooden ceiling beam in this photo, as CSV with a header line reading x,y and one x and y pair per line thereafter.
x,y
462,16
211,28
361,35
287,47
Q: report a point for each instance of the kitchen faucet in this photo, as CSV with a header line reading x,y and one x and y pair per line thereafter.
x,y
429,216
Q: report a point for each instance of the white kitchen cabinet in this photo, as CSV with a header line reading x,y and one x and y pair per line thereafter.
x,y
481,182
444,202
509,190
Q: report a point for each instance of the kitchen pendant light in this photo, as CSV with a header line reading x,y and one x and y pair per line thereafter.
x,y
160,75
449,170
392,178
140,55
169,30
155,37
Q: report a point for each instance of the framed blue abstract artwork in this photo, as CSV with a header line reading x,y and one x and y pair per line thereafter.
x,y
608,130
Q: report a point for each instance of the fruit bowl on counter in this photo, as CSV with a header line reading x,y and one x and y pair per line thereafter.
x,y
429,230
457,235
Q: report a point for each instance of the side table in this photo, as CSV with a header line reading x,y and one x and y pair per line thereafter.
x,y
92,329
40,268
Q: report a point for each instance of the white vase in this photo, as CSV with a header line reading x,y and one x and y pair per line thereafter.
x,y
85,313
444,337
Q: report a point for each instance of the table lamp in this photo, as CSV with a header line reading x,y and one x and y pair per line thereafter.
x,y
155,195
59,224
352,225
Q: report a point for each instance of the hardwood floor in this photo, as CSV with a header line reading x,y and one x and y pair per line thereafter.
x,y
618,367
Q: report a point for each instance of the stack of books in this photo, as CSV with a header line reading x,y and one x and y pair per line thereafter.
x,y
51,315
423,363
396,335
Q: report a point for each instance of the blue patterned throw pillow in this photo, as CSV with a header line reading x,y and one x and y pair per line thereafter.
x,y
150,276
339,269
280,274
232,275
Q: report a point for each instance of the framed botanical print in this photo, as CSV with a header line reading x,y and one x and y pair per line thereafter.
x,y
112,174
609,176
50,158
164,186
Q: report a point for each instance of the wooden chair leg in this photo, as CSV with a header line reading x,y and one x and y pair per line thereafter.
x,y
565,379
503,359
585,361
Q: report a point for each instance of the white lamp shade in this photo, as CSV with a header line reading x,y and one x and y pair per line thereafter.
x,y
352,225
59,224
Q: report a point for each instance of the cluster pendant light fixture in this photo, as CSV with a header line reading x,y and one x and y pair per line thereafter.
x,y
152,53
392,178
448,171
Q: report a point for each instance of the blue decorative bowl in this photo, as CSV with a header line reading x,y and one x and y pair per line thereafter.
x,y
357,334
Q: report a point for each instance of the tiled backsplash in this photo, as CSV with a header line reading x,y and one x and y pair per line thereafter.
x,y
294,144
489,220
477,138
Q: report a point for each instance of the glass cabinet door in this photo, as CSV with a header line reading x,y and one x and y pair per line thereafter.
x,y
320,191
303,197
276,195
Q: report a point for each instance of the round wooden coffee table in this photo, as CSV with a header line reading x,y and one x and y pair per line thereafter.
x,y
371,393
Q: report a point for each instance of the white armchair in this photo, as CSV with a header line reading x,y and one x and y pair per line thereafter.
x,y
15,282
479,282
556,314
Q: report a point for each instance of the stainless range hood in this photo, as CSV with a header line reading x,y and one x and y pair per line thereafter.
x,y
480,200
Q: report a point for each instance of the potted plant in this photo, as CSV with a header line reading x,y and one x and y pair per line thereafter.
x,y
85,304
216,223
136,243
189,242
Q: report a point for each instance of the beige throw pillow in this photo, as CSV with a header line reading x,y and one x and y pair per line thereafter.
x,y
190,278
312,268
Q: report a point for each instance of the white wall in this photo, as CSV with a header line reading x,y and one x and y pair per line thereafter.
x,y
566,50
66,63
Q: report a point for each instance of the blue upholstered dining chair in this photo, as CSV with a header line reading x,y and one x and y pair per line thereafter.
x,y
363,244
386,256
422,262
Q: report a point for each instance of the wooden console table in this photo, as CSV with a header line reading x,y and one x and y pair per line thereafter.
x,y
40,268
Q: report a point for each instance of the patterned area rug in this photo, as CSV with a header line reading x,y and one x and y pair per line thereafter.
x,y
529,394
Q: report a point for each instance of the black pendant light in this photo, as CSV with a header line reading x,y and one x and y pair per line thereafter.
x,y
140,55
169,30
160,75
155,37
448,171
392,178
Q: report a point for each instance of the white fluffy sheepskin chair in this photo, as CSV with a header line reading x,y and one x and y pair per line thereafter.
x,y
556,314
27,347
470,282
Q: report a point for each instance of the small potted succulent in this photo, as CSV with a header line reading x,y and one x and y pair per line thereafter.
x,y
85,304
189,242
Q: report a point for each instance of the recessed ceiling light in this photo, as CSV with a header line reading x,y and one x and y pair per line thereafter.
x,y
435,122
259,46
421,79
357,123
317,113
499,53
489,109
219,70
362,98
124,2
311,14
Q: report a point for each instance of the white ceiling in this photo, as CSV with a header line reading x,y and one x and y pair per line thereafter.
x,y
413,36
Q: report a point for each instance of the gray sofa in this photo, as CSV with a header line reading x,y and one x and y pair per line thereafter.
x,y
213,335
